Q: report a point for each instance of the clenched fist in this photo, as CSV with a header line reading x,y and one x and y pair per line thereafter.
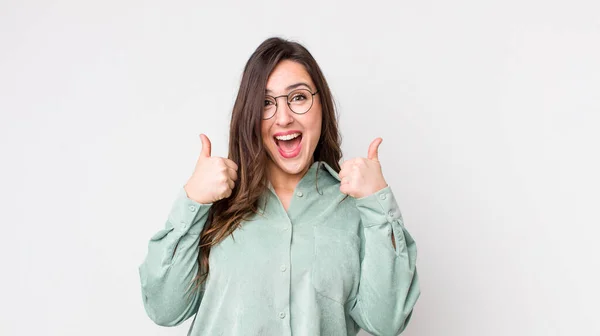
x,y
361,177
213,178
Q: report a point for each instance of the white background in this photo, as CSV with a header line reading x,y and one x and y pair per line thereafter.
x,y
488,111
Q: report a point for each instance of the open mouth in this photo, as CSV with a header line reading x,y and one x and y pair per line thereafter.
x,y
289,145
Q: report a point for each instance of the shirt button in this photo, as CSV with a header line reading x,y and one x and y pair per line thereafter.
x,y
281,315
192,208
299,194
382,196
282,268
391,213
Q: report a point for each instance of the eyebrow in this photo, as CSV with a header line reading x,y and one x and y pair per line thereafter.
x,y
293,86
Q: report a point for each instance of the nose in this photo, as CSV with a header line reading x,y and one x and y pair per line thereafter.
x,y
284,116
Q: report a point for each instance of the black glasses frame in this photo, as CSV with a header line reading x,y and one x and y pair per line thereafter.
x,y
287,96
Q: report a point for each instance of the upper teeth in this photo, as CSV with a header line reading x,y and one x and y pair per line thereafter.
x,y
287,137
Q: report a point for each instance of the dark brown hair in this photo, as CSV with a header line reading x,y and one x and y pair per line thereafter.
x,y
246,146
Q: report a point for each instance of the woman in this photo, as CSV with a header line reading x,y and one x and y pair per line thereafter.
x,y
272,240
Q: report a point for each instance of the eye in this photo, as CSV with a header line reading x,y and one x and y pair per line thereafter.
x,y
268,102
298,97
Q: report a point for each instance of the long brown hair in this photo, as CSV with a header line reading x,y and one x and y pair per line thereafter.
x,y
246,145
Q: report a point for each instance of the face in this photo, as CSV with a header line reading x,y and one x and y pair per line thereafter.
x,y
289,138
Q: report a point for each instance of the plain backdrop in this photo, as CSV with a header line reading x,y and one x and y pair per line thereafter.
x,y
488,112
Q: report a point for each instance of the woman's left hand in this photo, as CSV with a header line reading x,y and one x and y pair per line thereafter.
x,y
361,177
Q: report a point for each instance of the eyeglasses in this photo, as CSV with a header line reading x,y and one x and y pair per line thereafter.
x,y
300,101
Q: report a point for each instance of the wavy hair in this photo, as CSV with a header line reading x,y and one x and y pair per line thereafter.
x,y
246,146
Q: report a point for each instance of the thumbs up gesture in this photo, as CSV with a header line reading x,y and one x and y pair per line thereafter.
x,y
213,178
361,177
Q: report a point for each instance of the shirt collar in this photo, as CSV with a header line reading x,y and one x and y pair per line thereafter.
x,y
328,168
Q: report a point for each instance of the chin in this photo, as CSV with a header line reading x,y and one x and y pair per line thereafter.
x,y
292,166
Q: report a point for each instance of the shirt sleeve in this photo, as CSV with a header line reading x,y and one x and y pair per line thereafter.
x,y
171,264
389,284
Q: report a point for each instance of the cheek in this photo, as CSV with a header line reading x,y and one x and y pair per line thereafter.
x,y
316,125
264,130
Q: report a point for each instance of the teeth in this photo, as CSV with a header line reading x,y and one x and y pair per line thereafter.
x,y
287,137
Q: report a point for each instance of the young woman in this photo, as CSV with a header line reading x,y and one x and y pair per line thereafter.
x,y
278,238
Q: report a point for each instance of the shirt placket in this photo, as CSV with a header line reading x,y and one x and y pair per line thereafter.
x,y
282,292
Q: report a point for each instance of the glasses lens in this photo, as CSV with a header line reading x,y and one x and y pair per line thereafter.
x,y
269,107
300,101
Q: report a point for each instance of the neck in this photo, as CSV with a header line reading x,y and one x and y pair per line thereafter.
x,y
283,181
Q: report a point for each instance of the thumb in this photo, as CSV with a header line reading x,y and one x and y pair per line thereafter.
x,y
205,146
374,149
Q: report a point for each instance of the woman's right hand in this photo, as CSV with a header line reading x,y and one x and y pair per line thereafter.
x,y
213,178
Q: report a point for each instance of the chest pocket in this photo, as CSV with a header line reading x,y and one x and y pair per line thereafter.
x,y
336,264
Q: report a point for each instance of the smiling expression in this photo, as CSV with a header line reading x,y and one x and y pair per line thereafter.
x,y
289,138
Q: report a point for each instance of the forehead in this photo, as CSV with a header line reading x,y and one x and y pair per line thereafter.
x,y
286,74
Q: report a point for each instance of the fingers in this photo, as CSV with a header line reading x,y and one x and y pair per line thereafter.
x,y
343,189
231,168
344,174
374,149
344,168
231,183
206,146
232,174
230,164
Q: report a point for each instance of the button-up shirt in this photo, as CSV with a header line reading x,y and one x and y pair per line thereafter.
x,y
326,266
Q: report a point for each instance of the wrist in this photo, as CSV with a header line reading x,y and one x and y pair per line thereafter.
x,y
195,198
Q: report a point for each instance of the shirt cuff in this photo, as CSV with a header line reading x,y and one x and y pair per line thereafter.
x,y
379,208
186,213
